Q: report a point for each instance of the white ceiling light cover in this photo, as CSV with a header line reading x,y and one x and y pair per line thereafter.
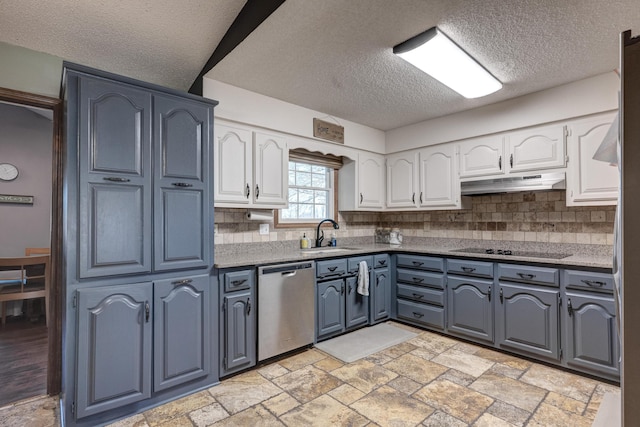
x,y
435,54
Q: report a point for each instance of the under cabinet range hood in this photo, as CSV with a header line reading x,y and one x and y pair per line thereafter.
x,y
512,184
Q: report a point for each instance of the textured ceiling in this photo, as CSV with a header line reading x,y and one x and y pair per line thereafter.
x,y
333,56
160,41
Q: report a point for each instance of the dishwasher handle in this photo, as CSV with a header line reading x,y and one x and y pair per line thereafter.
x,y
289,273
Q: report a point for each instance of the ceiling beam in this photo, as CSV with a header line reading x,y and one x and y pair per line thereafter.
x,y
250,17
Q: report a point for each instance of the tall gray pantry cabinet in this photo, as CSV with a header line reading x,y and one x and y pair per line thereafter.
x,y
138,227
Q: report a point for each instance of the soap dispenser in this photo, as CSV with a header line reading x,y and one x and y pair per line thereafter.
x,y
304,242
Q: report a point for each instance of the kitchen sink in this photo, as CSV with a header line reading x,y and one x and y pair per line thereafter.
x,y
324,250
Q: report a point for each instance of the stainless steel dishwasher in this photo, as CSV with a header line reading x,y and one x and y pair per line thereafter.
x,y
286,307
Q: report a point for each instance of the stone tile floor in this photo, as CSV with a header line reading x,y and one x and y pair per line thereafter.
x,y
430,380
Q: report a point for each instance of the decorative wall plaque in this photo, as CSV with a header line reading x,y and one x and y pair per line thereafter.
x,y
329,131
22,200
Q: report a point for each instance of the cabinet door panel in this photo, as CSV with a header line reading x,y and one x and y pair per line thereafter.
x,y
240,338
271,178
469,308
357,306
402,180
183,138
535,149
115,178
482,156
114,347
330,307
114,229
182,331
381,294
370,181
589,181
439,183
233,158
592,340
528,320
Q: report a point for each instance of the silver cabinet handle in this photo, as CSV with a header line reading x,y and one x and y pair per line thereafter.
x,y
182,282
238,282
247,191
511,161
526,276
593,283
468,269
181,184
147,311
116,179
361,198
257,191
248,306
500,163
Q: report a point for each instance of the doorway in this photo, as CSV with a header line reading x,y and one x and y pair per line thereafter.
x,y
30,349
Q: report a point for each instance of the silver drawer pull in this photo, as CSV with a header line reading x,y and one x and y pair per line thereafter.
x,y
417,263
526,276
238,282
593,283
418,296
382,262
417,279
332,269
116,179
468,269
182,282
181,184
418,315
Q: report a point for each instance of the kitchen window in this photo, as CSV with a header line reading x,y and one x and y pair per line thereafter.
x,y
312,189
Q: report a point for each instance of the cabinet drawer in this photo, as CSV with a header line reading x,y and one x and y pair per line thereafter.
x,y
421,294
380,261
470,268
429,315
421,262
528,274
238,280
334,267
588,280
421,278
353,264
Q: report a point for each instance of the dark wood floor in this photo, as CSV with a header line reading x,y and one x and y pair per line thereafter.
x,y
23,359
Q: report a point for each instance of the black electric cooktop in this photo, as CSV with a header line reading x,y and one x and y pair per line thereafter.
x,y
510,252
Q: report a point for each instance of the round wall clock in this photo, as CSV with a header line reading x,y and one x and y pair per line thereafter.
x,y
8,172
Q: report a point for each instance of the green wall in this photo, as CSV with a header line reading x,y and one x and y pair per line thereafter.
x,y
30,71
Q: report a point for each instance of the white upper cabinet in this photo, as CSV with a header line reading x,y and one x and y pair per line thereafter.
x,y
233,157
361,183
402,180
370,180
589,181
251,168
537,148
439,182
482,156
271,165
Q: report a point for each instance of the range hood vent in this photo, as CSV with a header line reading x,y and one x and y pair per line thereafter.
x,y
512,184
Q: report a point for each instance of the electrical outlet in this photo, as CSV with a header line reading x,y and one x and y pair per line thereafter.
x,y
264,229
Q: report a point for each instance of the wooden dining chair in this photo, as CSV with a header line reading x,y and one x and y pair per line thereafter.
x,y
37,251
24,278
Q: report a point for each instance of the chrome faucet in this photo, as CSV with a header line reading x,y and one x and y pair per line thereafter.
x,y
320,237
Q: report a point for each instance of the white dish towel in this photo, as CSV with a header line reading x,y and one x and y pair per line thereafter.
x,y
363,278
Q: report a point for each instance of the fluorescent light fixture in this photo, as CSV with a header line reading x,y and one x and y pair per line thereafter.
x,y
435,54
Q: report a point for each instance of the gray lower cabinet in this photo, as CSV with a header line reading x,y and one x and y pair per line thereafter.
x,y
238,343
470,308
590,326
470,311
381,295
330,310
527,319
527,310
114,352
420,290
182,331
339,306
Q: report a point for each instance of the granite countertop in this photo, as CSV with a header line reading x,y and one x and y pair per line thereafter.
x,y
240,255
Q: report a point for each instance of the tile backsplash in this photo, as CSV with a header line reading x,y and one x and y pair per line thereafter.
x,y
540,216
